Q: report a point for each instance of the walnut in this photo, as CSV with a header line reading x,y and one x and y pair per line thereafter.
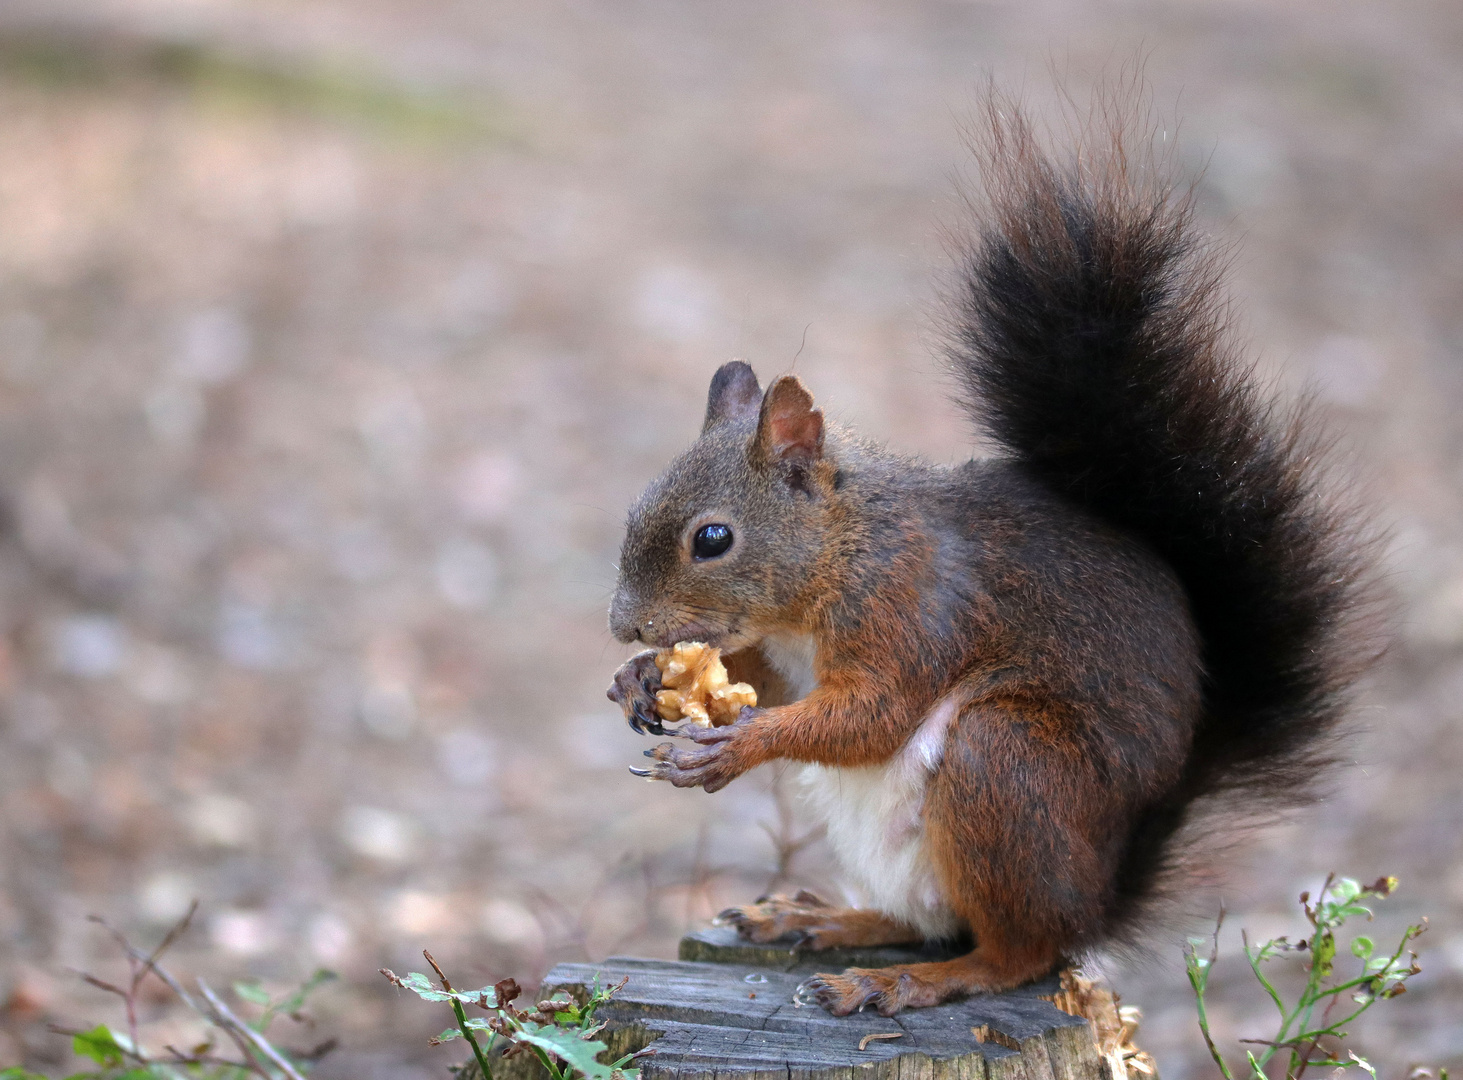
x,y
696,686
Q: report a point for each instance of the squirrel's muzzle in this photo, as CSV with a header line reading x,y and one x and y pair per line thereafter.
x,y
626,617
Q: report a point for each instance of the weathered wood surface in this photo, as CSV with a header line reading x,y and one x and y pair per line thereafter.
x,y
723,945
729,1011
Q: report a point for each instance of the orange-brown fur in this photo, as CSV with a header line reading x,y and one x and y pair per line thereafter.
x,y
1145,605
814,924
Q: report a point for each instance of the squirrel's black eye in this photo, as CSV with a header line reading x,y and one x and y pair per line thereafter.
x,y
711,541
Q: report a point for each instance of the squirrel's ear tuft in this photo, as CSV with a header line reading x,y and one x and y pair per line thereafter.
x,y
734,394
789,428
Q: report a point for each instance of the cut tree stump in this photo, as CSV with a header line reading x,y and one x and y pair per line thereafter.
x,y
726,1008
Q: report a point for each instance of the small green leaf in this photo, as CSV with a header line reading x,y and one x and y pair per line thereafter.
x,y
579,1055
296,1001
1362,948
1364,1063
447,1036
415,980
252,993
99,1044
1269,949
422,987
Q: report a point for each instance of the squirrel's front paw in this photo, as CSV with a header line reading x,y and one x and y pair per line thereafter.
x,y
721,755
634,691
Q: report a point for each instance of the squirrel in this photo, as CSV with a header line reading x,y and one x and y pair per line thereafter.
x,y
1021,684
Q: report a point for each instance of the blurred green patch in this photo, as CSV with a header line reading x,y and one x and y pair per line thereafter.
x,y
334,90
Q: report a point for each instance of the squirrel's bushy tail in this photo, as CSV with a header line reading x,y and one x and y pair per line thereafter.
x,y
1089,337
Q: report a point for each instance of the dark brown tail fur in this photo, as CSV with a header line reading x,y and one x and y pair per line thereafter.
x,y
1090,340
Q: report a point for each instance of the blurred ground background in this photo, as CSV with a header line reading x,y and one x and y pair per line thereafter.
x,y
335,335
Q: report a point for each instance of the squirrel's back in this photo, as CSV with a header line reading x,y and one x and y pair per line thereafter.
x,y
1090,340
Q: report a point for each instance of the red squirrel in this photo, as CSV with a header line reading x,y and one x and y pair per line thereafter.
x,y
1017,682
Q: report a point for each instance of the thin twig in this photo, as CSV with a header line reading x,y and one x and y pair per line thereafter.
x,y
785,845
225,1018
258,1055
699,875
171,982
138,966
181,1058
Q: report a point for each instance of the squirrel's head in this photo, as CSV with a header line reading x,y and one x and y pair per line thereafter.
x,y
722,546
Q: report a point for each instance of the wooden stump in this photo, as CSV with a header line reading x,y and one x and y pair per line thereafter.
x,y
726,1007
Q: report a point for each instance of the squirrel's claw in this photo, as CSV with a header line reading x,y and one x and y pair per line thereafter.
x,y
633,690
645,725
841,994
689,768
888,990
713,763
799,922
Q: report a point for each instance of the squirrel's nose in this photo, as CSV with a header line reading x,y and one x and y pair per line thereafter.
x,y
626,632
624,619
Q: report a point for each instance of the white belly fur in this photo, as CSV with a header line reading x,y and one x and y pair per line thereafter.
x,y
875,814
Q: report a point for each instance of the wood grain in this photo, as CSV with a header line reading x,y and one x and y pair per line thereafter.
x,y
730,1012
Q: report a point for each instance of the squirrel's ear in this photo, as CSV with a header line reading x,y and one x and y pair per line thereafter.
x,y
789,429
734,394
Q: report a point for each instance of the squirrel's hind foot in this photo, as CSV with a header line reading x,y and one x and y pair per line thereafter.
x,y
906,986
808,922
771,918
857,988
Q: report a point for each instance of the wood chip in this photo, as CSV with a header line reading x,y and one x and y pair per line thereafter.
x,y
984,1033
1113,1025
863,1044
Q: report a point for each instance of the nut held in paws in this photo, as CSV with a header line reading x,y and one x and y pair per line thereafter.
x,y
697,687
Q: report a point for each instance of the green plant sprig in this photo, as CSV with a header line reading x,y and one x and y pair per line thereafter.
x,y
120,1055
1300,1031
558,1031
